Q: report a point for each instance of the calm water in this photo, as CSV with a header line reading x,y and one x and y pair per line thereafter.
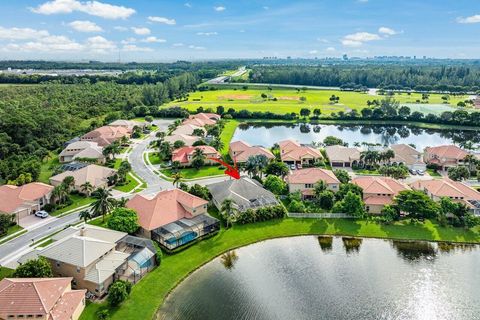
x,y
267,135
309,278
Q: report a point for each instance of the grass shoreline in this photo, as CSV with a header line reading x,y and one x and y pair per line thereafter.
x,y
175,268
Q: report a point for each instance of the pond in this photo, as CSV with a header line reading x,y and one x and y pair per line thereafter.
x,y
313,277
268,134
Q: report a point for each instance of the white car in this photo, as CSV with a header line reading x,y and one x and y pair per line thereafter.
x,y
293,167
41,214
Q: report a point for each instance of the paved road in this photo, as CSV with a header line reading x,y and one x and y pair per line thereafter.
x,y
13,249
154,182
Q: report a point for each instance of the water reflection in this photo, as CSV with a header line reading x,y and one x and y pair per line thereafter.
x,y
268,134
290,278
325,243
414,250
448,247
352,245
228,259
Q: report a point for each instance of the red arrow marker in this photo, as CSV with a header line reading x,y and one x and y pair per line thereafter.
x,y
231,171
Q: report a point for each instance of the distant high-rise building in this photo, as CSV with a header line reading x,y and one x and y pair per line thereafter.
x,y
345,57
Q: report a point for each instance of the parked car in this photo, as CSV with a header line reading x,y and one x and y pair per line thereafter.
x,y
292,166
412,172
41,214
299,166
420,172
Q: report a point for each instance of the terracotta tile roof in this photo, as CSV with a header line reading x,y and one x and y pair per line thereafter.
x,y
312,175
447,188
238,146
68,303
165,207
188,140
106,135
406,154
447,151
183,153
377,200
186,129
253,151
301,152
288,145
342,154
12,197
35,296
380,185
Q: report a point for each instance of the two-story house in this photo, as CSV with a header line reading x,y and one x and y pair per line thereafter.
x,y
173,217
445,156
304,180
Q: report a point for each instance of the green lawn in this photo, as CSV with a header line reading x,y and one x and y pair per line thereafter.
x,y
11,230
227,134
433,173
192,173
288,100
78,201
132,184
5,272
154,158
46,170
157,284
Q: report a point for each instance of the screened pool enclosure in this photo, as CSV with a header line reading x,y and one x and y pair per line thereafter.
x,y
183,231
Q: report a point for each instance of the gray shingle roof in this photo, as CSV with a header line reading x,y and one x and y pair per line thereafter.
x,y
245,192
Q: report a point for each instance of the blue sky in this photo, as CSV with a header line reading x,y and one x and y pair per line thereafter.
x,y
160,30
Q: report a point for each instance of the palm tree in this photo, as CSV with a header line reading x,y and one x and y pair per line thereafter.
x,y
60,193
85,215
121,203
198,158
87,188
217,144
68,182
177,178
229,212
470,161
103,203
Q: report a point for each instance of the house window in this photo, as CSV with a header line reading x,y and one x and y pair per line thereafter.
x,y
78,269
309,185
57,263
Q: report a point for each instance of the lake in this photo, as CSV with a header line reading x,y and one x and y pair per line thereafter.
x,y
313,277
268,134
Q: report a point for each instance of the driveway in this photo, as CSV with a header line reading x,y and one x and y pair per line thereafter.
x,y
31,221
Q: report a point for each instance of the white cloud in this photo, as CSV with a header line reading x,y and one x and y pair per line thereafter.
x,y
362,1
21,33
387,31
196,47
128,40
100,44
94,8
313,52
207,33
153,39
162,20
134,48
266,7
323,40
330,49
141,31
120,28
468,20
178,44
357,39
85,26
188,5
219,8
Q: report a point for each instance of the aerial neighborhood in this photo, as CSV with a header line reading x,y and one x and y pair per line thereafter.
x,y
108,206
121,233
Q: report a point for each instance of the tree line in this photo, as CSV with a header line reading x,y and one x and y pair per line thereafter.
x,y
458,78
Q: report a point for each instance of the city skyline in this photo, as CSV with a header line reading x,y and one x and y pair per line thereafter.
x,y
109,30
